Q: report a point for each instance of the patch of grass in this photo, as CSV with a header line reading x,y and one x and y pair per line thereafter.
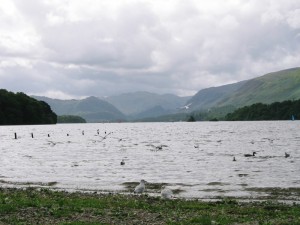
x,y
276,193
205,220
33,206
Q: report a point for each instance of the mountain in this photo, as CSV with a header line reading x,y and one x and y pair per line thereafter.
x,y
272,87
211,97
132,106
92,109
213,102
136,103
153,112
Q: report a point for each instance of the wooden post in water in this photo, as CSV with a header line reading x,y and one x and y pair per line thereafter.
x,y
31,135
48,135
16,136
83,132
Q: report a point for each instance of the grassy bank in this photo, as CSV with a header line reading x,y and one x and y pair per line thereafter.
x,y
33,206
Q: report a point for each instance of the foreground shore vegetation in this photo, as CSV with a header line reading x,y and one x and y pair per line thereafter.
x,y
44,206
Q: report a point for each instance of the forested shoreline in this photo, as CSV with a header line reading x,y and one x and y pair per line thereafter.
x,y
286,110
20,109
70,119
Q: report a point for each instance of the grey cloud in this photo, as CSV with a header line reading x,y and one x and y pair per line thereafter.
x,y
181,48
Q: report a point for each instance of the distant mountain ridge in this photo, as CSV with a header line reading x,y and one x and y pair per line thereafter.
x,y
129,106
137,103
92,109
272,87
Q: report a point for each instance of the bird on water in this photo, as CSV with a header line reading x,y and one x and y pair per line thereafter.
x,y
139,189
250,155
122,162
287,155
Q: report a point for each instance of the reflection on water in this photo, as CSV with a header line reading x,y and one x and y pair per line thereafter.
x,y
194,159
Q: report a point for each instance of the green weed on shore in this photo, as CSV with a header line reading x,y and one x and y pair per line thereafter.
x,y
44,206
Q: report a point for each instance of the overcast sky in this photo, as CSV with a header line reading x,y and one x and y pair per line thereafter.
x,y
74,48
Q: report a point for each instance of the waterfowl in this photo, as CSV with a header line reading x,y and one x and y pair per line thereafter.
x,y
234,159
139,189
166,193
186,106
250,155
287,155
159,147
122,162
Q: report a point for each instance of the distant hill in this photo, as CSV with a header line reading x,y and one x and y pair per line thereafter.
x,y
92,109
272,87
211,97
20,109
166,118
137,103
153,112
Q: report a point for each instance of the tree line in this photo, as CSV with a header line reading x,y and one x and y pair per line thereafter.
x,y
70,119
285,110
20,109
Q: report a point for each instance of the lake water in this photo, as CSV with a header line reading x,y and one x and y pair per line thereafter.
x,y
196,159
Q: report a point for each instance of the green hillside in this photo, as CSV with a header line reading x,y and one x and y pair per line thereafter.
x,y
210,97
273,87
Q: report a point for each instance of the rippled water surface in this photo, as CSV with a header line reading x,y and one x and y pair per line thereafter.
x,y
196,159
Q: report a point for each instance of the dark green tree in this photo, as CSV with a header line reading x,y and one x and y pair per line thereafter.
x,y
70,119
20,109
275,111
191,119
